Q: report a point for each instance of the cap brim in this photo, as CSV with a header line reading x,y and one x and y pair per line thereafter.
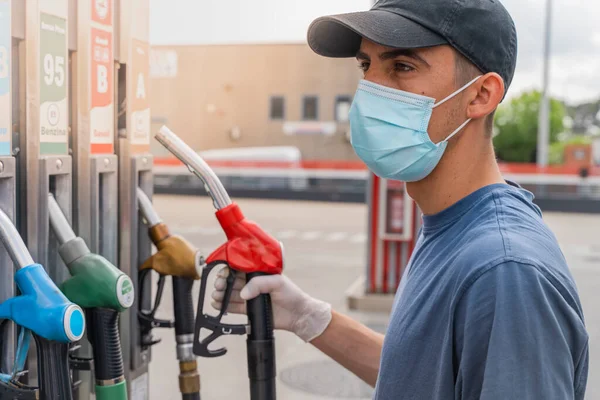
x,y
341,35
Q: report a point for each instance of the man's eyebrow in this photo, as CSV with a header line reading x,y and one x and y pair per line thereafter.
x,y
362,56
393,54
402,52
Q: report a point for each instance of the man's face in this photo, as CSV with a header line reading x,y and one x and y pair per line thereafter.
x,y
429,72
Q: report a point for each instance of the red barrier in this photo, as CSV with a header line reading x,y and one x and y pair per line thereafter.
x,y
506,168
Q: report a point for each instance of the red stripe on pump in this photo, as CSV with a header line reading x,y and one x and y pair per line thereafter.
x,y
399,247
374,236
386,265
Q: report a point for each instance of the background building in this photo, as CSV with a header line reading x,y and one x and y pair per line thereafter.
x,y
227,96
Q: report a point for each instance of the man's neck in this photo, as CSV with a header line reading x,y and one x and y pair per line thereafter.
x,y
455,178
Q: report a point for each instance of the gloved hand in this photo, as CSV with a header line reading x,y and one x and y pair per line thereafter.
x,y
293,310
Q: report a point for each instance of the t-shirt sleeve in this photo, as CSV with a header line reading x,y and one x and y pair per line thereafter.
x,y
517,337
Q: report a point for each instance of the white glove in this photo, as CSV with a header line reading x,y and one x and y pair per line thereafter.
x,y
293,310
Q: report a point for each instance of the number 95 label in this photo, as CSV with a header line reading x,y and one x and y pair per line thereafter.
x,y
53,84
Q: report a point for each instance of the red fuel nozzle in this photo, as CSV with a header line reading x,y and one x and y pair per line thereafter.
x,y
248,248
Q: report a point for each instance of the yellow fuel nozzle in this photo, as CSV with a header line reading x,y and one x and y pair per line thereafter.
x,y
175,257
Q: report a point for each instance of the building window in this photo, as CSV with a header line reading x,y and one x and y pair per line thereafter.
x,y
342,108
277,107
310,108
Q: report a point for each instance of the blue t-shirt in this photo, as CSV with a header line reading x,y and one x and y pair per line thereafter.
x,y
489,310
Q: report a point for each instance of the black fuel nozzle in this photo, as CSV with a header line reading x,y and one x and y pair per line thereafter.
x,y
146,318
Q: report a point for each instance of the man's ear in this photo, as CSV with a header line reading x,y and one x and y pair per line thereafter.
x,y
489,93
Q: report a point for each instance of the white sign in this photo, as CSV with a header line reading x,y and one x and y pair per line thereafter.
x,y
343,110
163,63
309,127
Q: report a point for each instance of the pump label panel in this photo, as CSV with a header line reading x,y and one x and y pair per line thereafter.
x,y
125,293
102,108
5,109
102,12
139,123
53,85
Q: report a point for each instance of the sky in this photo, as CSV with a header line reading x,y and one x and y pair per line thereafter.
x,y
575,40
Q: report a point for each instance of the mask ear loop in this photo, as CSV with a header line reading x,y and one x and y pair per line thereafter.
x,y
457,130
457,92
450,97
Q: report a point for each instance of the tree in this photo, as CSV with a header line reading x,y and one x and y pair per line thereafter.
x,y
516,125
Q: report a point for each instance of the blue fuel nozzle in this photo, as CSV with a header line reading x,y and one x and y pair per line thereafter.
x,y
43,308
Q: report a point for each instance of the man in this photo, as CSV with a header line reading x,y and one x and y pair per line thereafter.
x,y
487,308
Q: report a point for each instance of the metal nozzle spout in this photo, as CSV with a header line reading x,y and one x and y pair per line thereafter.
x,y
59,222
13,242
196,165
147,209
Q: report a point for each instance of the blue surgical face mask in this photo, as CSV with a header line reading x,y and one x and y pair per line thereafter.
x,y
388,130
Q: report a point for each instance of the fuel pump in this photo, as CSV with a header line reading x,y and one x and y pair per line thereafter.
x,y
132,142
44,163
178,259
248,249
95,186
103,291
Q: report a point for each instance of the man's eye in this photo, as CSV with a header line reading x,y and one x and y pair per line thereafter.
x,y
364,66
401,67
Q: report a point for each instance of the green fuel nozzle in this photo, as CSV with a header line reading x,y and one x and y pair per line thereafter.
x,y
95,282
103,291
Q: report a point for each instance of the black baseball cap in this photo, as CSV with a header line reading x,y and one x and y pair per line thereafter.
x,y
481,30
